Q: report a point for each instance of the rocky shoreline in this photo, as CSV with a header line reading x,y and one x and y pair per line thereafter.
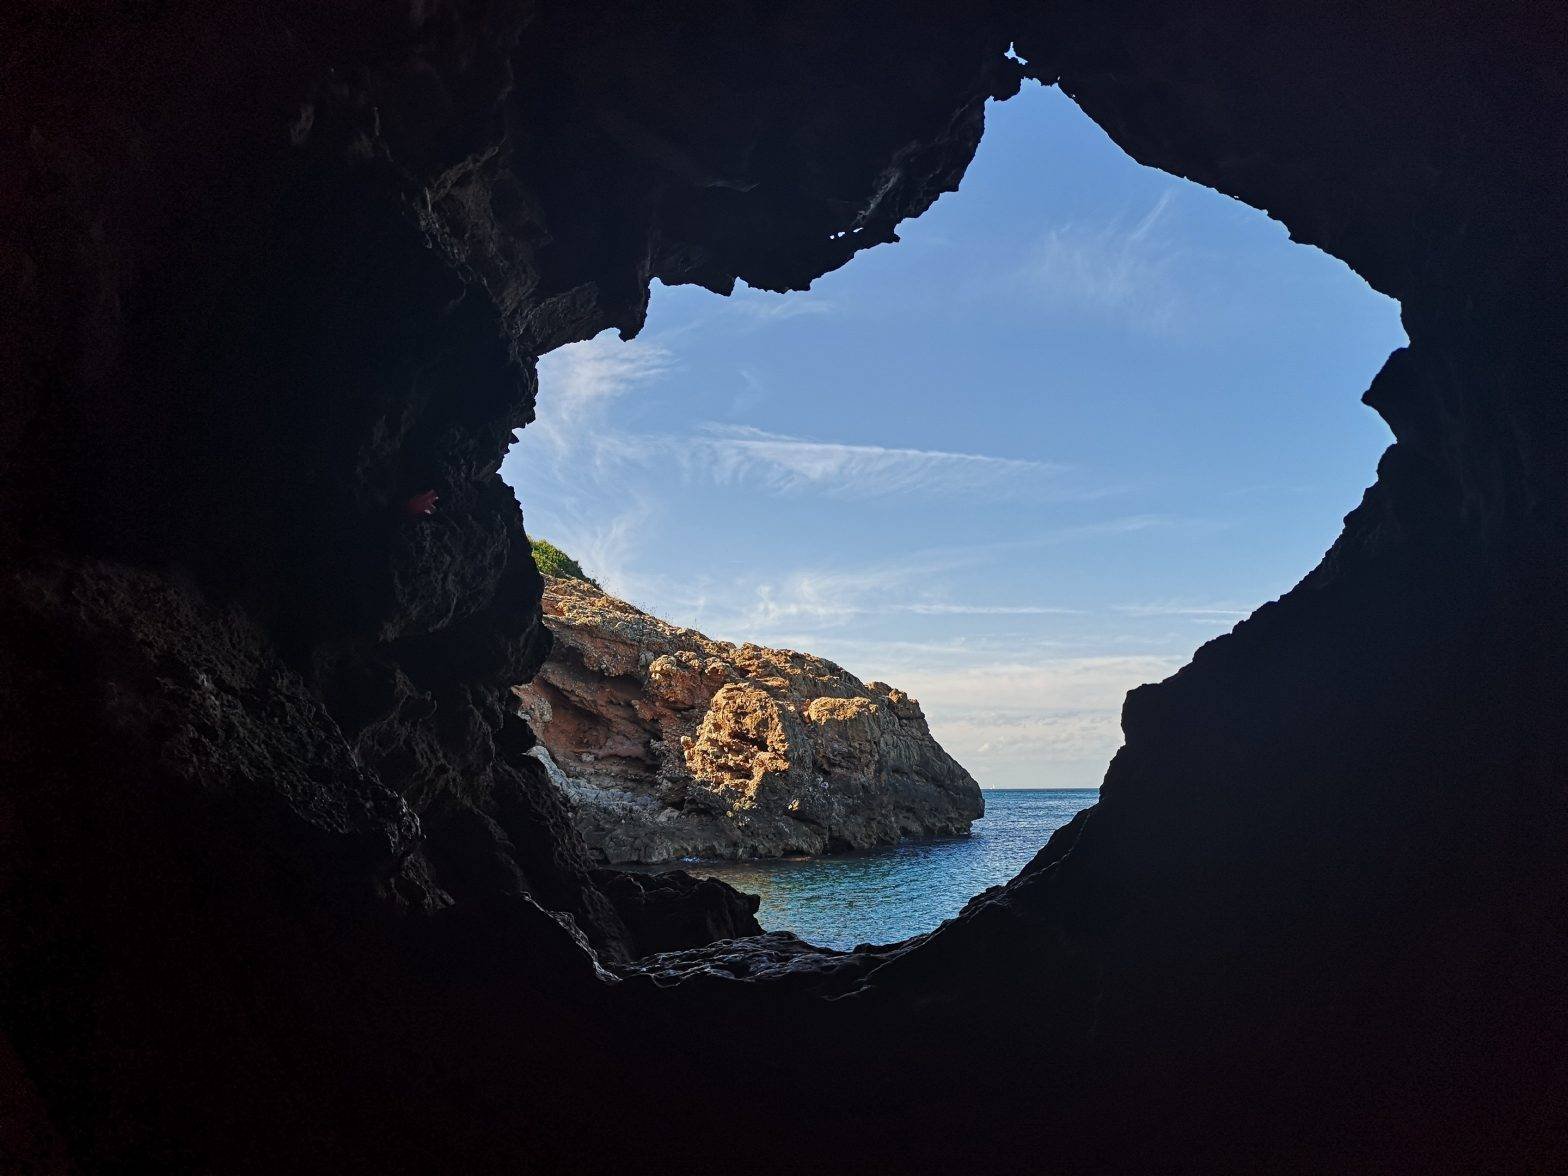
x,y
670,745
281,889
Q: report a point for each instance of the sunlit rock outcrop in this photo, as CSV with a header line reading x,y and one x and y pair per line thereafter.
x,y
282,888
673,745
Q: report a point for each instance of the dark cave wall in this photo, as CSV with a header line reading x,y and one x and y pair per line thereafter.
x,y
1310,913
1407,141
269,271
279,889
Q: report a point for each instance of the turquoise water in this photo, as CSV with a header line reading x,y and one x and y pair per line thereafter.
x,y
884,895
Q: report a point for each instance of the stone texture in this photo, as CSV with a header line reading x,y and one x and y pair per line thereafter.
x,y
281,888
672,745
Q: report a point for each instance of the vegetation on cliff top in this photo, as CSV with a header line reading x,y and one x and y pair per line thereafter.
x,y
552,561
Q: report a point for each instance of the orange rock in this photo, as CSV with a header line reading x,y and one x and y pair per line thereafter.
x,y
673,745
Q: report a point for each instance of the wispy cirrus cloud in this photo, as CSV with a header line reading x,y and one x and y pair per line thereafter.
x,y
821,599
779,463
1022,748
987,610
1118,270
1042,683
606,541
580,382
812,604
601,485
829,597
1017,707
1197,612
582,387
569,466
766,307
1028,706
1046,720
1042,720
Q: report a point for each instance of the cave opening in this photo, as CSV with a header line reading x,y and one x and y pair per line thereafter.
x,y
283,885
1082,418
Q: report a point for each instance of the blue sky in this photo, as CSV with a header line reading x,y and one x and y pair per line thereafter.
x,y
1082,419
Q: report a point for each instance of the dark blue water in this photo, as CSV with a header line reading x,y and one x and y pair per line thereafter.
x,y
884,895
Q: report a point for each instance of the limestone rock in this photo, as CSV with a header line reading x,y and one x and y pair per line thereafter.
x,y
671,745
270,270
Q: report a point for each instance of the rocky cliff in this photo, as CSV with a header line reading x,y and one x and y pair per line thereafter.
x,y
281,888
672,745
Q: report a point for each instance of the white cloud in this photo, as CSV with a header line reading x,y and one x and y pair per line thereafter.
x,y
729,455
576,432
988,741
805,604
1048,721
985,610
768,307
606,545
1128,273
1014,707
1123,525
1170,608
579,382
1058,684
834,596
578,435
1029,719
1021,708
569,465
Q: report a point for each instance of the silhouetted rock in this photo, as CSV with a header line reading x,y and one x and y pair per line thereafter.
x,y
673,910
281,887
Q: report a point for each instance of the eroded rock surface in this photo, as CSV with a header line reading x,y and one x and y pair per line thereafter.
x,y
281,888
672,745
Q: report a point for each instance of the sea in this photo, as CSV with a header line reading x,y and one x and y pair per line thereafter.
x,y
885,895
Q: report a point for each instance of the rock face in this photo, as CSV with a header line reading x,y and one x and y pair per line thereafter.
x,y
281,887
671,745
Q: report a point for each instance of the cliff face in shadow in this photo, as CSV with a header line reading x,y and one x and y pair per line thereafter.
x,y
281,887
671,745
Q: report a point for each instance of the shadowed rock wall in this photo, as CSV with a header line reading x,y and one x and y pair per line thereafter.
x,y
280,887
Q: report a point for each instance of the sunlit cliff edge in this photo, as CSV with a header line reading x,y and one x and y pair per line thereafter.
x,y
673,745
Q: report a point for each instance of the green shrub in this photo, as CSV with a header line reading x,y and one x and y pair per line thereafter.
x,y
553,561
